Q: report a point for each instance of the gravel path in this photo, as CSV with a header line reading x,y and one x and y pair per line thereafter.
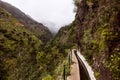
x,y
74,73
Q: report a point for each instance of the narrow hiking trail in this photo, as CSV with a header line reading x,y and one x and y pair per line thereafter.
x,y
74,72
79,63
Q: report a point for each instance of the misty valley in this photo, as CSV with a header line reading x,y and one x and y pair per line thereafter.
x,y
88,48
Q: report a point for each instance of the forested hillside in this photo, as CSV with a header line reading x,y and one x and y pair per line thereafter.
x,y
66,37
23,55
38,29
18,49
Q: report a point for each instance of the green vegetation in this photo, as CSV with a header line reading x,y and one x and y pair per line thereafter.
x,y
48,77
97,74
76,2
38,29
66,37
18,49
99,36
25,57
114,64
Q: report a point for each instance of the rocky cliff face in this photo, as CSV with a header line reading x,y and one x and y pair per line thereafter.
x,y
38,29
98,36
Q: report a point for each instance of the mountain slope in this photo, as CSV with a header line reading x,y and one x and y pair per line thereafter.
x,y
65,37
18,49
38,29
23,56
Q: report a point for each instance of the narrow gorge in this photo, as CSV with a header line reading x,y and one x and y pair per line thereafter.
x,y
28,50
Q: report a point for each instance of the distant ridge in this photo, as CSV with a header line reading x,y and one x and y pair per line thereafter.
x,y
38,29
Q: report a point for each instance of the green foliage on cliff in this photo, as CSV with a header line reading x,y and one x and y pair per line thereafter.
x,y
99,36
114,65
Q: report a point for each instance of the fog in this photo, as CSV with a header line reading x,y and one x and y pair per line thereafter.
x,y
52,13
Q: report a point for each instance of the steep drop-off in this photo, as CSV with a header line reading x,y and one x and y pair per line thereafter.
x,y
38,29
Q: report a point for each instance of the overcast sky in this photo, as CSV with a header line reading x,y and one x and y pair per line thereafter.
x,y
52,13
